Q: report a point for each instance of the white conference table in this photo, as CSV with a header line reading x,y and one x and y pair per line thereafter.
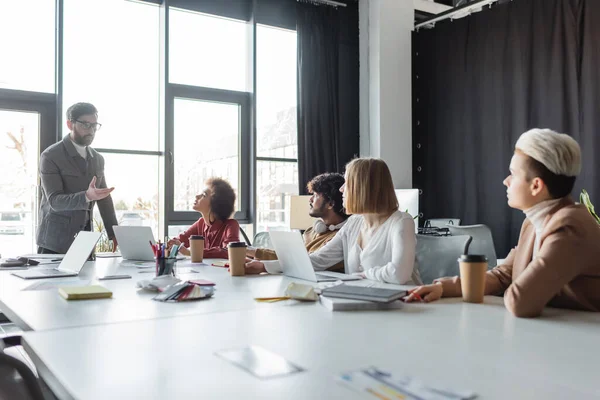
x,y
45,309
478,347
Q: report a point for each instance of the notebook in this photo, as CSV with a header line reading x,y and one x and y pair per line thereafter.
x,y
338,304
84,292
364,293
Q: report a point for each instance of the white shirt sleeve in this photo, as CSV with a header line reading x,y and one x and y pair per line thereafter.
x,y
330,254
404,242
272,266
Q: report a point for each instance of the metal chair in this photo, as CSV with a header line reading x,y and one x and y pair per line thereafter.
x,y
437,256
17,381
482,243
442,222
262,240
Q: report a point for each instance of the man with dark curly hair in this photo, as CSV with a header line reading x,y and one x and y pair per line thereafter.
x,y
325,204
216,204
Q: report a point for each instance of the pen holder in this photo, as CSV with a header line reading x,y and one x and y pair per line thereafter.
x,y
165,266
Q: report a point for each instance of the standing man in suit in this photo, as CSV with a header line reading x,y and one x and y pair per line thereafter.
x,y
72,175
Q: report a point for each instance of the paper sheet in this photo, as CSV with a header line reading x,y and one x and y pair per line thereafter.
x,y
378,384
46,285
138,264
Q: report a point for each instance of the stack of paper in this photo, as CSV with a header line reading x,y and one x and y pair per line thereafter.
x,y
158,284
84,292
337,304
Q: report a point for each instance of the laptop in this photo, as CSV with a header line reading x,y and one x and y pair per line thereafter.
x,y
295,262
133,242
72,262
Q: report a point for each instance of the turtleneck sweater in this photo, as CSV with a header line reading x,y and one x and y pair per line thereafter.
x,y
537,215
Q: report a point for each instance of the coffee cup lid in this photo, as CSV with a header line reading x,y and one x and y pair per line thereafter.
x,y
474,258
196,237
237,244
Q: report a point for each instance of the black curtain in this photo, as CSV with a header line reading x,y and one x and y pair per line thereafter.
x,y
328,71
481,81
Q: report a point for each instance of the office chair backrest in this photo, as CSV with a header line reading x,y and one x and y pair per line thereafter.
x,y
262,240
17,381
482,243
441,222
437,256
245,237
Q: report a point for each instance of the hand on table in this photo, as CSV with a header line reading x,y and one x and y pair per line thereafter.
x,y
255,267
426,293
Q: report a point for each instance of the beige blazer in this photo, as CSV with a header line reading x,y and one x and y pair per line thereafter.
x,y
565,273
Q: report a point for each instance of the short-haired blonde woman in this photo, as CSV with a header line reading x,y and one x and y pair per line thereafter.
x,y
378,241
557,259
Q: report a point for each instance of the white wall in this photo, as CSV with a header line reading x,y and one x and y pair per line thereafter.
x,y
385,84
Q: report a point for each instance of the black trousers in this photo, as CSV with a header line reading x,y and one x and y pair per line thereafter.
x,y
43,250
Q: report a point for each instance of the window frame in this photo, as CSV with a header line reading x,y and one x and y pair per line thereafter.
x,y
244,100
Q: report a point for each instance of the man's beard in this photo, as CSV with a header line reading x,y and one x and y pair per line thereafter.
x,y
82,139
316,212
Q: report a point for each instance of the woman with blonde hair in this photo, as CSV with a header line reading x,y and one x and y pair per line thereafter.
x,y
378,241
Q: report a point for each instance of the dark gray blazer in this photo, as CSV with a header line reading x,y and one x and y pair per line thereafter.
x,y
64,210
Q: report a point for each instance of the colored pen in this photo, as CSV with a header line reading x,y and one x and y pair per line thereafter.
x,y
174,251
417,296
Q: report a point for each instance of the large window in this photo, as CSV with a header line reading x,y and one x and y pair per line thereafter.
x,y
163,134
111,64
136,196
27,106
116,68
277,134
207,143
208,110
209,51
19,149
27,45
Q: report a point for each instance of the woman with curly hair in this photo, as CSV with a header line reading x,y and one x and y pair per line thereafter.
x,y
216,204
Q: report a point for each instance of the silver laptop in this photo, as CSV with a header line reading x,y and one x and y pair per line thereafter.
x,y
72,262
295,262
134,243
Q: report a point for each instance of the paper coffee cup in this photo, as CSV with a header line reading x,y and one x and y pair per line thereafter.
x,y
197,248
472,277
237,258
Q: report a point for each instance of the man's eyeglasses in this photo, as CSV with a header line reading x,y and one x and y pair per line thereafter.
x,y
89,125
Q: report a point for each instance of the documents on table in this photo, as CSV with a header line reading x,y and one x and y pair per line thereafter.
x,y
378,384
45,285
